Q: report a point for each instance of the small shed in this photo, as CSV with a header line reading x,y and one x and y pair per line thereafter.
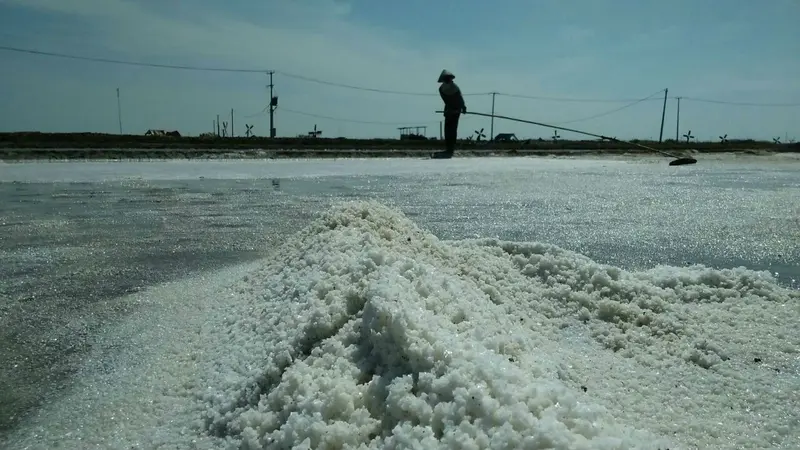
x,y
505,137
152,132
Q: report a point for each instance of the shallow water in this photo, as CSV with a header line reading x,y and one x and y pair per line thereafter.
x,y
77,236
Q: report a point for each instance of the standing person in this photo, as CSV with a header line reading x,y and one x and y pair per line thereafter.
x,y
454,106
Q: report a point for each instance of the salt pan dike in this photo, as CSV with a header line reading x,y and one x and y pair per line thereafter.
x,y
365,331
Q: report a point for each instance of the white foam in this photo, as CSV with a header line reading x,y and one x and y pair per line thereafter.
x,y
365,331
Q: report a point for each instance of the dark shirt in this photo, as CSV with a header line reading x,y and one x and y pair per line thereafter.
x,y
453,100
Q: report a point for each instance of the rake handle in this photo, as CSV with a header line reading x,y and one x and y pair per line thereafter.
x,y
497,116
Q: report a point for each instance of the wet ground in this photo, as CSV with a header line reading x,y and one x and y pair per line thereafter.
x,y
76,237
69,251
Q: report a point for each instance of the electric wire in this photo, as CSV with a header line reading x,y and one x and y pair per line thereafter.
x,y
130,63
721,102
339,119
569,99
606,113
361,88
258,114
353,87
217,69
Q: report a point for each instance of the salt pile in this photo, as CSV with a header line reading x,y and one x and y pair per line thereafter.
x,y
366,332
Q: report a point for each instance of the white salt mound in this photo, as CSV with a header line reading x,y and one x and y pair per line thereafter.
x,y
367,332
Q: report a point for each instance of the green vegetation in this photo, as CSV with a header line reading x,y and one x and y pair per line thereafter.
x,y
35,145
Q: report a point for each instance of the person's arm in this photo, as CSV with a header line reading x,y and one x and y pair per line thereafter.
x,y
461,101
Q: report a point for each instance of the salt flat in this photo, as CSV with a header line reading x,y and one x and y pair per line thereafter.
x,y
469,302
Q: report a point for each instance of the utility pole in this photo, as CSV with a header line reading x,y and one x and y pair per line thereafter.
x,y
232,133
119,112
273,103
678,120
217,125
491,126
663,112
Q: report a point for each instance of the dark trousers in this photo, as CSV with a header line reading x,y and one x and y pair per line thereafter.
x,y
451,131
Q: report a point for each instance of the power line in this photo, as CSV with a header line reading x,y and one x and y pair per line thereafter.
x,y
129,63
360,88
216,69
318,116
260,113
567,99
722,102
596,100
339,119
606,113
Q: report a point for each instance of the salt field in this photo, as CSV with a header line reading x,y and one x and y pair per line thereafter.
x,y
473,303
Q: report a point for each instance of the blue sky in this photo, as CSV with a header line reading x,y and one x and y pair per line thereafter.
x,y
620,50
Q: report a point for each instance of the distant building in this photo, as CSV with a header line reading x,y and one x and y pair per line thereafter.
x,y
173,133
419,134
502,137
